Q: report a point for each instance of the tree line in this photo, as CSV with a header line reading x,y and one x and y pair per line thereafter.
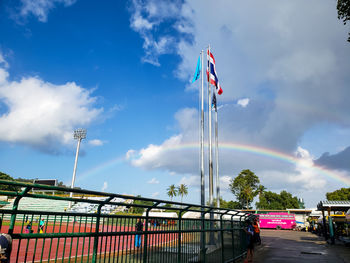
x,y
246,186
4,176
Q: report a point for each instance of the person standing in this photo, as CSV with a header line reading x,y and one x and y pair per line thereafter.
x,y
139,228
250,241
41,226
29,227
256,227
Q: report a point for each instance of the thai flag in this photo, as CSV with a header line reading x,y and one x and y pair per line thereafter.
x,y
211,73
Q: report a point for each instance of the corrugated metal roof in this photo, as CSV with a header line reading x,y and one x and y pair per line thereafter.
x,y
334,205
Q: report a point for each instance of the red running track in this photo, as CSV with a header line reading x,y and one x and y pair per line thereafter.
x,y
44,249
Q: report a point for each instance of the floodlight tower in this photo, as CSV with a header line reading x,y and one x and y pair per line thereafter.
x,y
79,134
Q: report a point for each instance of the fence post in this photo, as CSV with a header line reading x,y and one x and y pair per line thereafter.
x,y
179,238
233,237
243,236
97,229
179,233
145,237
205,249
15,208
145,241
202,252
222,236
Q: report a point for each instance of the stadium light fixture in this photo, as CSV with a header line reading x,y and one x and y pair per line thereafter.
x,y
79,134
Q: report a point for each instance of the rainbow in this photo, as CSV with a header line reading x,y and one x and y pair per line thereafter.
x,y
99,168
261,151
271,153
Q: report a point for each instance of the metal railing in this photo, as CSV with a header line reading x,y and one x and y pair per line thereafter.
x,y
191,233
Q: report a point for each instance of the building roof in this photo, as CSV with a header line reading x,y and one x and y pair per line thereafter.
x,y
333,205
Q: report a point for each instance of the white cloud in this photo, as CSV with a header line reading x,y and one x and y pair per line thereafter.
x,y
130,154
41,114
307,176
155,194
139,23
146,19
169,155
41,8
3,62
104,187
225,181
243,102
155,48
96,142
157,156
153,181
3,75
192,180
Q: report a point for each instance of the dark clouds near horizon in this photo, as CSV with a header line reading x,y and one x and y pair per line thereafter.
x,y
338,161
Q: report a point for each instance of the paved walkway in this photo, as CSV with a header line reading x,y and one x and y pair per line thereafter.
x,y
294,246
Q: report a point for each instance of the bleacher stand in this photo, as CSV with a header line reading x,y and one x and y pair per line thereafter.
x,y
39,204
81,207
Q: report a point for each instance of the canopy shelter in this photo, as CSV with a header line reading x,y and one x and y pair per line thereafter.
x,y
335,206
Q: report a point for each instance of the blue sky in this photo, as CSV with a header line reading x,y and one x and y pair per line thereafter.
x,y
122,70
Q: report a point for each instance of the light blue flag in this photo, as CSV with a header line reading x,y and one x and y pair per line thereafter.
x,y
198,70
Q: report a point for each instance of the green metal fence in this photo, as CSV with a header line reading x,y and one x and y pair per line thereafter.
x,y
191,233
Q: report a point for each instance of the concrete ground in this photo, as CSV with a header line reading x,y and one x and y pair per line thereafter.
x,y
294,246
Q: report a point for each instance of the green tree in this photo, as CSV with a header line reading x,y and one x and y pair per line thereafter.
x,y
140,210
23,180
245,187
227,204
343,7
182,190
281,201
342,194
4,176
172,191
233,205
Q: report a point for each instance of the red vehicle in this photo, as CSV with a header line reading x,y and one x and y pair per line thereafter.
x,y
277,220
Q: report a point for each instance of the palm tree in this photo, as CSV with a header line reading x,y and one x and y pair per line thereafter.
x,y
172,191
260,191
248,194
182,190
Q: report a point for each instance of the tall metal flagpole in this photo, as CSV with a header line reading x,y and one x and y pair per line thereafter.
x,y
202,138
211,190
202,237
217,157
